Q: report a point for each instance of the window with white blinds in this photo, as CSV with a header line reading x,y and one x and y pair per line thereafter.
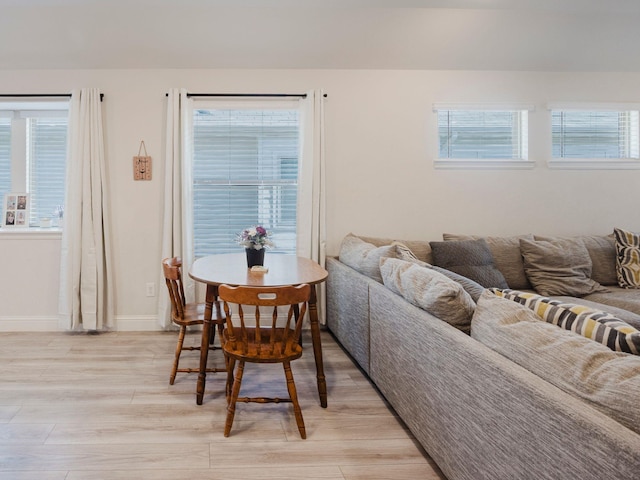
x,y
595,134
33,153
482,134
245,172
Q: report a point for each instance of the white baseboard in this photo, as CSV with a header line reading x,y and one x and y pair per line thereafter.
x,y
124,323
29,324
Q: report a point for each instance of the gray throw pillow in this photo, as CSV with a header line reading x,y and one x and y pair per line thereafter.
x,y
559,267
364,257
470,258
429,290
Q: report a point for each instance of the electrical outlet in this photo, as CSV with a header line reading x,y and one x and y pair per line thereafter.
x,y
151,289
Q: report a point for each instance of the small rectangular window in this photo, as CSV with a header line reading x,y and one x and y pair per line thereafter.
x,y
483,134
595,134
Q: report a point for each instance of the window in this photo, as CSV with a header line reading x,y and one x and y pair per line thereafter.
x,y
594,134
33,152
245,172
482,134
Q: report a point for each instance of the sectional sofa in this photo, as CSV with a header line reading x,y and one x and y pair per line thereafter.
x,y
504,395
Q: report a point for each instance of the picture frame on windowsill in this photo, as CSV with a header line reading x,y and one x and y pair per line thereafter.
x,y
15,210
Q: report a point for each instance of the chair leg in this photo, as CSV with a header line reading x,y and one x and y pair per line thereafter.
x,y
176,360
231,365
231,408
293,394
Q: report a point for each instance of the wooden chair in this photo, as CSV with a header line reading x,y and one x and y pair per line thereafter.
x,y
186,314
265,342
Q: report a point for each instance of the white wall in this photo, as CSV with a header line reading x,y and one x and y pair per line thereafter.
x,y
381,142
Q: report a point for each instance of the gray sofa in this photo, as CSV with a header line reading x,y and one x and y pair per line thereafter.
x,y
478,414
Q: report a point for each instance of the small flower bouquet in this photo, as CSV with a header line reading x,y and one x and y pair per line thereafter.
x,y
256,237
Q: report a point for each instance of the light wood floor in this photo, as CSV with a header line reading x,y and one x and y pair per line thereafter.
x,y
87,407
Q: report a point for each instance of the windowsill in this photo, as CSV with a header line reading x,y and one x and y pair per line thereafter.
x,y
593,164
30,233
484,164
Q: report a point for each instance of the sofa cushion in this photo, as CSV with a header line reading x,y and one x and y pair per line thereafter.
x,y
420,248
470,258
608,380
506,255
602,251
600,326
364,257
559,267
429,290
627,258
626,298
474,289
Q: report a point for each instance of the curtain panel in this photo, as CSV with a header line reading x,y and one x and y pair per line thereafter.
x,y
86,300
177,218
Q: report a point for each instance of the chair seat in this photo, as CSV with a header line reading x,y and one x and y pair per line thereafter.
x,y
193,315
264,351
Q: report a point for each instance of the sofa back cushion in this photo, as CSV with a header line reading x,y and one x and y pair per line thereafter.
x,y
420,248
608,380
470,258
506,255
429,290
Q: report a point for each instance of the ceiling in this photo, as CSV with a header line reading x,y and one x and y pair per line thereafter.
x,y
539,35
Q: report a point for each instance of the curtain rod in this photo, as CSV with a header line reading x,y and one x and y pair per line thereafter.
x,y
40,95
277,95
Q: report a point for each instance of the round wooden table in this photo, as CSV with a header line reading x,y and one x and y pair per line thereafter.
x,y
231,269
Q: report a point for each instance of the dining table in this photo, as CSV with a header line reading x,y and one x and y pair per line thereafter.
x,y
279,270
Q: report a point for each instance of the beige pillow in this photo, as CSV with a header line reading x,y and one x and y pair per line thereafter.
x,y
506,256
429,290
364,257
602,251
559,267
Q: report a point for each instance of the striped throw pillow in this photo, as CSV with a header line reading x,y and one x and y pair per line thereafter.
x,y
627,258
588,322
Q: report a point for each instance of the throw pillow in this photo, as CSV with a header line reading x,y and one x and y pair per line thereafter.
x,y
602,251
627,258
364,257
588,322
506,255
470,258
429,290
474,289
609,381
559,267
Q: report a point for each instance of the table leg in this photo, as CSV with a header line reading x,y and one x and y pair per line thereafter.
x,y
317,346
210,298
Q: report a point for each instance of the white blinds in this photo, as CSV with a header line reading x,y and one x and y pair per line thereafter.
x,y
245,172
5,157
47,153
595,134
483,134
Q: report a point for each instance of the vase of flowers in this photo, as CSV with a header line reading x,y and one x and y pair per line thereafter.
x,y
255,240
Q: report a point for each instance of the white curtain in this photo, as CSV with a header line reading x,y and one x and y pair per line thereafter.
x,y
311,188
86,299
177,230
